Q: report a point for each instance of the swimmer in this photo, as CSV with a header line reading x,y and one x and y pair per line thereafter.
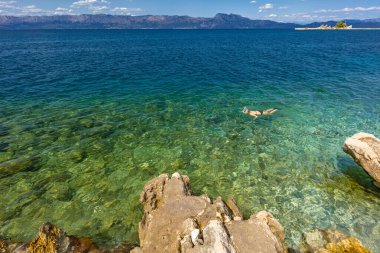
x,y
255,114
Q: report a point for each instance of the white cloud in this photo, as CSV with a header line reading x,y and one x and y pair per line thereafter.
x,y
83,3
31,9
125,10
7,4
265,7
94,6
283,7
98,9
10,7
272,15
88,3
373,8
305,17
62,11
253,2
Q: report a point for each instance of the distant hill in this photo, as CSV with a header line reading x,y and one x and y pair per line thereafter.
x,y
102,21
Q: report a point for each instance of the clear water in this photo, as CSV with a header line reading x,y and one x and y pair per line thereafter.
x,y
96,114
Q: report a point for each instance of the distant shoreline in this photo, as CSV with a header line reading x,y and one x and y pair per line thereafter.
x,y
321,29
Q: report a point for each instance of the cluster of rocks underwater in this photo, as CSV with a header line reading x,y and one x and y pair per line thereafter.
x,y
176,221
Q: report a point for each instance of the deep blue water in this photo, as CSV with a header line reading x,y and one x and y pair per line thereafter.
x,y
96,113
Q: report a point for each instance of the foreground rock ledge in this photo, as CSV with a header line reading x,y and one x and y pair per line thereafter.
x,y
365,149
176,221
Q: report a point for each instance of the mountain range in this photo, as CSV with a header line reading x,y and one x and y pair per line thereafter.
x,y
102,21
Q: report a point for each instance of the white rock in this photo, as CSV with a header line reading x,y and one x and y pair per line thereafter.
x,y
176,175
194,236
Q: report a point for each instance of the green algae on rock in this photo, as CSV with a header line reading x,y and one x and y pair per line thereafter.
x,y
15,165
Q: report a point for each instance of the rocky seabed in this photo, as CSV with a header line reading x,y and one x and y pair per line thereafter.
x,y
176,221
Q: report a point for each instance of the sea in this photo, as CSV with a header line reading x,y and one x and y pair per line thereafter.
x,y
87,117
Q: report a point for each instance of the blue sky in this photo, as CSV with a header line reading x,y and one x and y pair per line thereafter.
x,y
278,10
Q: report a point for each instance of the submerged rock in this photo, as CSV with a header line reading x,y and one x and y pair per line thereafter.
x,y
3,146
365,149
15,165
331,241
176,221
3,130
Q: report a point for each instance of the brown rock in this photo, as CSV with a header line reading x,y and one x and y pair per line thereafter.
x,y
166,207
50,239
272,223
365,149
123,248
350,244
222,211
216,239
331,241
153,192
237,214
176,221
17,248
255,235
84,245
3,247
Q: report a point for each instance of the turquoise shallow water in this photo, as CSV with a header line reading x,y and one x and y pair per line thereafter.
x,y
91,116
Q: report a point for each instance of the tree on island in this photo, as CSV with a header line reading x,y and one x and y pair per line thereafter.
x,y
341,24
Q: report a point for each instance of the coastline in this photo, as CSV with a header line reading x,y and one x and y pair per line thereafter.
x,y
321,29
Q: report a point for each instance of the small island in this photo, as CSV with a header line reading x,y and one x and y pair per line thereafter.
x,y
339,26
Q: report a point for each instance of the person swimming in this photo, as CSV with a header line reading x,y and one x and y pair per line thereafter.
x,y
256,114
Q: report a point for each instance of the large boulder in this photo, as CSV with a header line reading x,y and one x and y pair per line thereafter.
x,y
365,149
175,221
331,241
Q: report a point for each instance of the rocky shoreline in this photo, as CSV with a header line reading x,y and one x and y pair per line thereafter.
x,y
176,221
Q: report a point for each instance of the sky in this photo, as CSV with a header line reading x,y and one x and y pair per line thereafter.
x,y
277,10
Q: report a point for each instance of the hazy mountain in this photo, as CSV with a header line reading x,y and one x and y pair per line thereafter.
x,y
220,21
101,21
